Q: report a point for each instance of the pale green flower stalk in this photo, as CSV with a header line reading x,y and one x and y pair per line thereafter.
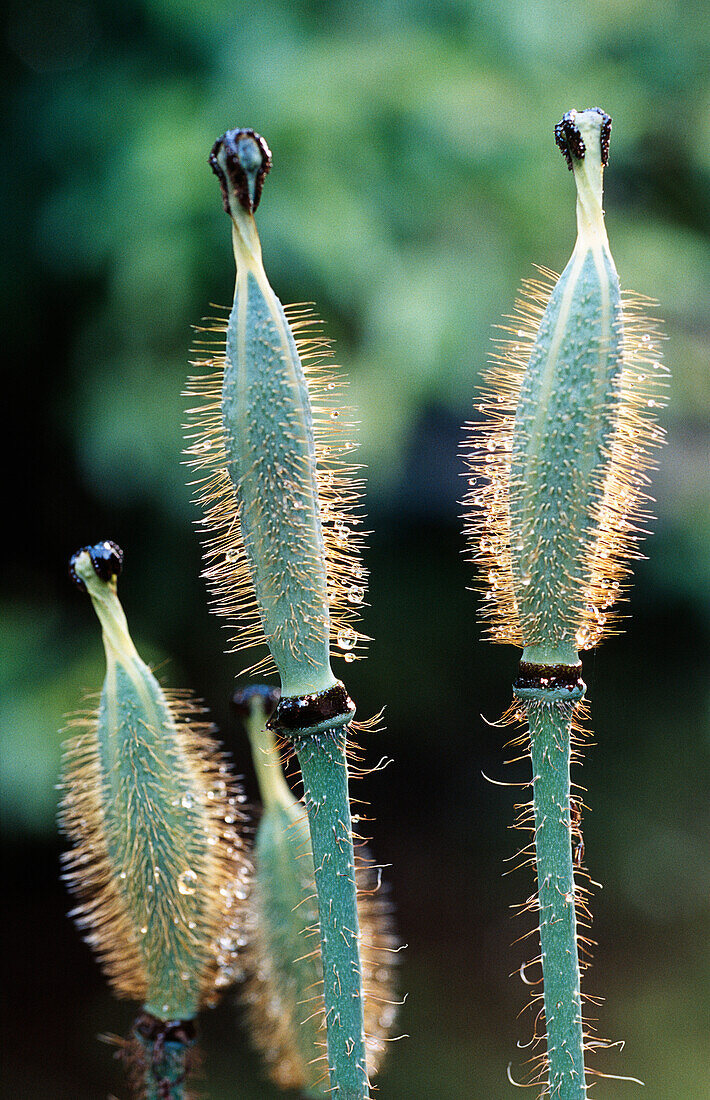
x,y
157,860
284,990
559,465
280,557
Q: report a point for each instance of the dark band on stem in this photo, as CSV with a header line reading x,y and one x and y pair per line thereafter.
x,y
534,677
106,558
300,713
570,140
246,174
152,1029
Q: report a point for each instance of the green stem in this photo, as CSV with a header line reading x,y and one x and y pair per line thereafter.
x,y
550,745
325,786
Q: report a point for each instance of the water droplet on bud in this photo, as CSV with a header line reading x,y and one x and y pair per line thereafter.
x,y
346,637
187,881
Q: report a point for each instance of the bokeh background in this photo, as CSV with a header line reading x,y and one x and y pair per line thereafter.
x,y
415,182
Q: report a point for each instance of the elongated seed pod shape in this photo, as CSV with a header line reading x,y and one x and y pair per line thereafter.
x,y
157,862
271,446
284,991
560,461
274,557
557,497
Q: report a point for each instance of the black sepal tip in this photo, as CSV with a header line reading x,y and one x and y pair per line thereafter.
x,y
246,179
570,141
106,558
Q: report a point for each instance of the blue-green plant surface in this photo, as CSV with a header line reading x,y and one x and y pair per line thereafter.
x,y
157,858
410,197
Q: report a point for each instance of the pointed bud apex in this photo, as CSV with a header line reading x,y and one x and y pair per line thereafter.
x,y
105,558
573,130
240,159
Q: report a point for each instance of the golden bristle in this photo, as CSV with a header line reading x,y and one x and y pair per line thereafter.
x,y
227,569
271,1021
537,1065
622,510
226,868
379,948
102,912
487,450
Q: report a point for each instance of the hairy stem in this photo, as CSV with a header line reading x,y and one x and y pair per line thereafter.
x,y
325,782
550,746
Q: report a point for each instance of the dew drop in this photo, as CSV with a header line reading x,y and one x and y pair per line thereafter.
x,y
355,594
187,801
187,881
346,638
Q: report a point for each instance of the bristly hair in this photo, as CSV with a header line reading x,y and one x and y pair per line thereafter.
x,y
537,1064
273,1023
622,508
103,912
340,490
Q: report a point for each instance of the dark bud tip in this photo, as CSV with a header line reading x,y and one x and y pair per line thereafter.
x,y
265,694
241,159
605,134
570,140
106,558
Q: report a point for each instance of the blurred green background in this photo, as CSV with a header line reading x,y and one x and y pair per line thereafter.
x,y
415,182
